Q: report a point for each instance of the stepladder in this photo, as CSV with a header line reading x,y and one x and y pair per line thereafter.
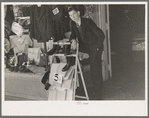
x,y
73,78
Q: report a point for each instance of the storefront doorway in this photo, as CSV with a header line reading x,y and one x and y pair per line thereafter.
x,y
127,34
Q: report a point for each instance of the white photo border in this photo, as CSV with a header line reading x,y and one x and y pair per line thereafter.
x,y
66,108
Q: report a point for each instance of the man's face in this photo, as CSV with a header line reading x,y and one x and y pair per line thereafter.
x,y
74,15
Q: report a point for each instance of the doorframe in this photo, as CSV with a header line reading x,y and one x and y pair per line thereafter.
x,y
101,18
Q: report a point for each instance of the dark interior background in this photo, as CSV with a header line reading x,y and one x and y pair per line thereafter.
x,y
126,23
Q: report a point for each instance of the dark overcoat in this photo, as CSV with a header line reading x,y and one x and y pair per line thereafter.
x,y
92,35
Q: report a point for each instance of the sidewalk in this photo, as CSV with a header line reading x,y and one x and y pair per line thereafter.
x,y
127,83
25,86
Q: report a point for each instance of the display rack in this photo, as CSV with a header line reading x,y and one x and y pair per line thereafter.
x,y
78,70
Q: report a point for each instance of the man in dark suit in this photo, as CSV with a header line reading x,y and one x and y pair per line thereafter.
x,y
91,40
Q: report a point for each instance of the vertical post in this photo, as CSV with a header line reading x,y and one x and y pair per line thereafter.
x,y
75,77
108,28
46,56
82,78
102,25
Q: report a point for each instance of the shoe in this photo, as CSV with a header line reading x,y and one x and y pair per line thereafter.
x,y
16,69
22,68
72,51
70,62
57,60
61,51
7,65
52,51
68,65
66,49
45,77
55,49
11,69
47,85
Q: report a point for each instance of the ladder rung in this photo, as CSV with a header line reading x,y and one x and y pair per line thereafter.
x,y
71,55
74,55
61,43
81,97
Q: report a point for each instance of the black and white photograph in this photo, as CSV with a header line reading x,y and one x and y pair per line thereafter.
x,y
80,58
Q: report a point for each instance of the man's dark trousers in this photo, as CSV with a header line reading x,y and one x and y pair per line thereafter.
x,y
96,69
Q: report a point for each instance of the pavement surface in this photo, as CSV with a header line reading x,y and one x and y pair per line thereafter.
x,y
127,83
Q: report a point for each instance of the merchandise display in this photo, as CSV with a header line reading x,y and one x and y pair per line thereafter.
x,y
41,45
20,45
41,23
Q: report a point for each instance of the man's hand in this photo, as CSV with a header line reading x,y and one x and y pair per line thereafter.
x,y
65,39
73,44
